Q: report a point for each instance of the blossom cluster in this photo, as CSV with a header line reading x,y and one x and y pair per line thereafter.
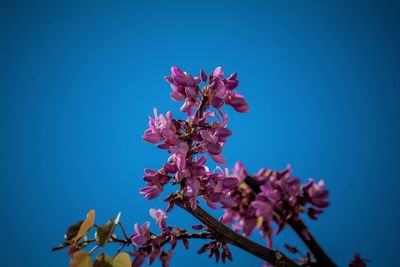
x,y
150,246
280,198
204,131
218,89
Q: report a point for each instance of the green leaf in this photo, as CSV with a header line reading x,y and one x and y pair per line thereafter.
x,y
81,259
85,226
105,231
122,260
102,260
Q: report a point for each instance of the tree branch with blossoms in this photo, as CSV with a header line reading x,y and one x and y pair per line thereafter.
x,y
298,226
249,203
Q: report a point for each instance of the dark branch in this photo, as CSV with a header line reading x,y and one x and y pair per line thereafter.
x,y
225,234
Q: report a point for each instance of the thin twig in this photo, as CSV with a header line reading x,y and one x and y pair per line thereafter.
x,y
123,230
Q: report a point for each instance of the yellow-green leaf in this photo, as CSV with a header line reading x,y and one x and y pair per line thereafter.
x,y
122,260
85,226
81,259
105,231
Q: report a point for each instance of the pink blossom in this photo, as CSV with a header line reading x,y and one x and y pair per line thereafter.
x,y
151,192
142,234
213,142
237,101
239,171
220,91
166,258
161,129
160,216
184,87
316,193
155,181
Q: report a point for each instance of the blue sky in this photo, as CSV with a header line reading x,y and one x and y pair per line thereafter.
x,y
78,80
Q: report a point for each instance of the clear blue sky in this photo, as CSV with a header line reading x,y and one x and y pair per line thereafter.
x,y
78,80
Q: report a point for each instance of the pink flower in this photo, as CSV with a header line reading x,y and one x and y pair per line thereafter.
x,y
263,209
166,258
184,87
161,129
160,216
178,155
214,139
316,193
139,259
237,101
220,91
151,192
239,171
142,234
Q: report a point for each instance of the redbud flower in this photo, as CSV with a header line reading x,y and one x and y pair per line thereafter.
x,y
237,101
221,92
239,171
142,234
213,144
151,192
139,259
160,216
161,128
316,193
166,258
184,87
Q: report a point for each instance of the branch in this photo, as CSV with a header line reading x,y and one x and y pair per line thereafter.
x,y
225,234
301,230
181,235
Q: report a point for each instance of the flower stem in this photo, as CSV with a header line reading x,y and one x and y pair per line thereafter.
x,y
225,234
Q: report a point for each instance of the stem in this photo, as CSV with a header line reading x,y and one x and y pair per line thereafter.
x,y
203,106
301,230
224,233
123,230
182,235
187,235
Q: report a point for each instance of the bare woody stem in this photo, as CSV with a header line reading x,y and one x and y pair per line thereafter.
x,y
187,235
322,259
225,234
180,236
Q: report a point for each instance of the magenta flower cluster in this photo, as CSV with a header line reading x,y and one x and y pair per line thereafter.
x,y
149,246
219,90
282,197
204,131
